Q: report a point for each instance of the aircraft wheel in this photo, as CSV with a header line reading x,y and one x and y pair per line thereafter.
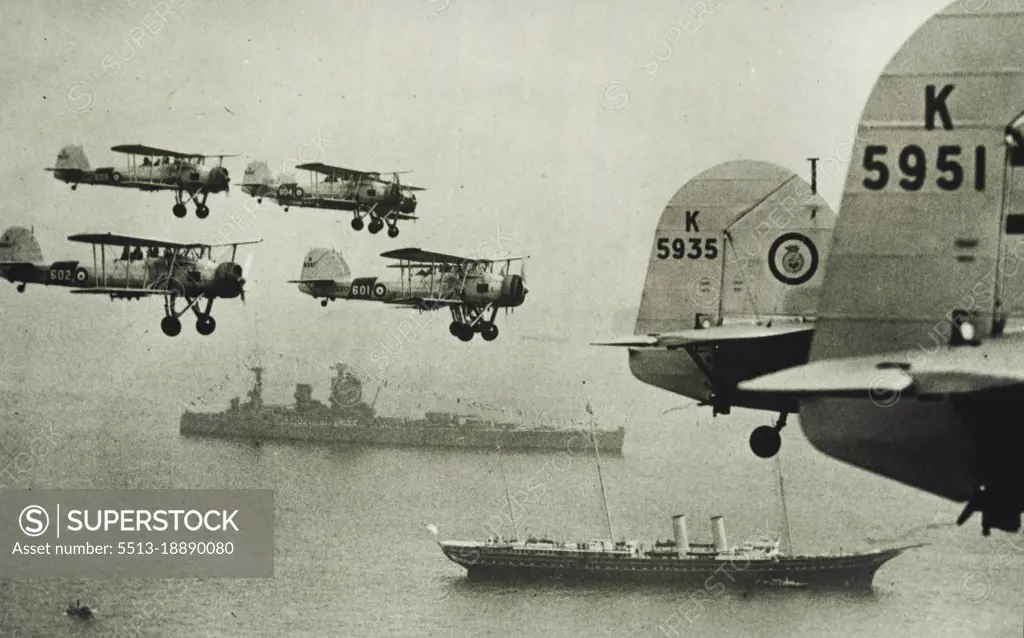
x,y
489,332
765,441
171,326
259,200
21,287
393,232
74,187
323,302
465,332
453,328
179,210
286,209
357,224
202,211
375,226
205,325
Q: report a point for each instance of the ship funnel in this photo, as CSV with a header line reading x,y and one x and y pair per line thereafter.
x,y
679,531
718,532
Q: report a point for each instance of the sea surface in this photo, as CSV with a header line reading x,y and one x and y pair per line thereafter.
x,y
353,557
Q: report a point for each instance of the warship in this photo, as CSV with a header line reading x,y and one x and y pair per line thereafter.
x,y
714,566
349,419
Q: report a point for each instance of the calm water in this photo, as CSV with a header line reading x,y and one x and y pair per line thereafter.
x,y
353,558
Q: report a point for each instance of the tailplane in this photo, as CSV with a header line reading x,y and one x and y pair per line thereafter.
x,y
19,245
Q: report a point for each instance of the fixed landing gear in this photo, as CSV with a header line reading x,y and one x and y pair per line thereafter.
x,y
179,210
171,323
392,231
21,287
376,225
259,200
357,223
171,326
74,187
766,440
205,325
465,332
323,302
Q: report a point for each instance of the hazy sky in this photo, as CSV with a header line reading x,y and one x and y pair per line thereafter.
x,y
540,128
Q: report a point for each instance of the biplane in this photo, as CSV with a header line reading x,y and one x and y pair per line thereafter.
x,y
732,288
363,193
469,288
916,367
150,169
133,268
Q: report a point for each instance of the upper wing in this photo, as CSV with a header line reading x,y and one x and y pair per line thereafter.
x,y
337,171
426,256
110,239
682,338
952,370
142,149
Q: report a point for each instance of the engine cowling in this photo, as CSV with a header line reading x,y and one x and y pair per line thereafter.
x,y
513,291
228,280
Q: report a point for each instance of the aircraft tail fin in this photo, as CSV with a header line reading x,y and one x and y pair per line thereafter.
x,y
19,245
72,157
324,264
744,239
257,175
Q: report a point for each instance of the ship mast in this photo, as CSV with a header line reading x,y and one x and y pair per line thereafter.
x,y
600,476
787,539
508,495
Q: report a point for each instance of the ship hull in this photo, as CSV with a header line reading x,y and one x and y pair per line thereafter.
x,y
855,571
263,427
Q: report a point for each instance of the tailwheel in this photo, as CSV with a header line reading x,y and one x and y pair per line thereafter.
x,y
323,302
393,231
489,332
202,211
205,325
179,210
376,226
766,440
21,287
171,326
357,223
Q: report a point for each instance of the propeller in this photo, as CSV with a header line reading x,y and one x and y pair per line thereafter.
x,y
245,271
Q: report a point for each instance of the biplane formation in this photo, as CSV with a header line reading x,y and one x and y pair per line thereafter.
x,y
150,169
910,363
468,288
365,194
130,268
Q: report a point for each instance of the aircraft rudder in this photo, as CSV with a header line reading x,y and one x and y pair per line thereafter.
x,y
19,244
324,263
72,157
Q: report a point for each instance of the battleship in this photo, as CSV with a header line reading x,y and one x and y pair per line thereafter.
x,y
349,419
714,566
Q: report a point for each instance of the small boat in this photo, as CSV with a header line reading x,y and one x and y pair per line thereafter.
x,y
82,612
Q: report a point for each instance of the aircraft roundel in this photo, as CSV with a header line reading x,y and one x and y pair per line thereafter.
x,y
793,259
81,275
380,290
